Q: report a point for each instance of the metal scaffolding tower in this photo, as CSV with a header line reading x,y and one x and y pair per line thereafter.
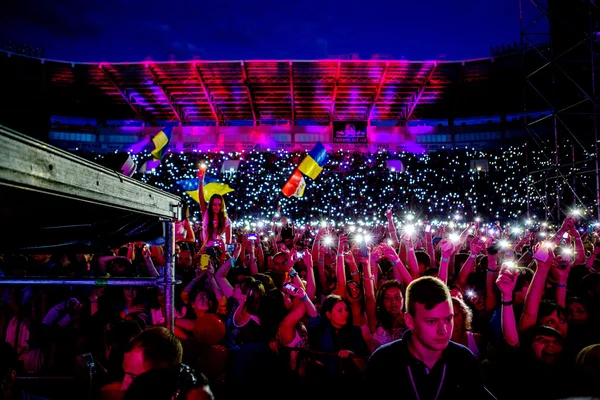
x,y
558,52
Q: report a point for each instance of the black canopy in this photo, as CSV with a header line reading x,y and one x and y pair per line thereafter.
x,y
52,200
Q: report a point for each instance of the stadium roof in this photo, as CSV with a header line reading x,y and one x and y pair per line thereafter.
x,y
263,91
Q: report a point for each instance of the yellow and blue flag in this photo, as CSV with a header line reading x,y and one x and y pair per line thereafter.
x,y
211,186
313,163
161,141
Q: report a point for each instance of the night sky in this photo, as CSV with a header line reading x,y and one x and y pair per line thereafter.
x,y
135,30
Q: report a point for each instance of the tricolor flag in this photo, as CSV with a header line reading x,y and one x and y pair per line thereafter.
x,y
311,166
295,185
313,163
161,141
211,186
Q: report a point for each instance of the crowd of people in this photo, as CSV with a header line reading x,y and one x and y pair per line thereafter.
x,y
472,310
353,185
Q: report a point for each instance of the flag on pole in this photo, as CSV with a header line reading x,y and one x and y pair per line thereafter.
x,y
311,166
161,141
313,163
295,185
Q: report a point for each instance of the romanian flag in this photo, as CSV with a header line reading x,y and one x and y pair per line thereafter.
x,y
161,141
313,163
211,186
295,185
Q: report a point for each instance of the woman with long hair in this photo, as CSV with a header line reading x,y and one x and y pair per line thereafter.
x,y
340,352
462,333
390,319
216,226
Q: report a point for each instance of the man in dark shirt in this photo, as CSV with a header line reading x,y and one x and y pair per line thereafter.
x,y
424,364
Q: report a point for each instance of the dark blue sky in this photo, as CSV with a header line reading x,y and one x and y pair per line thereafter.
x,y
134,30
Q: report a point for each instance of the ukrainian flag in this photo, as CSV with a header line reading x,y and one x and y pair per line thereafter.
x,y
313,163
161,141
211,186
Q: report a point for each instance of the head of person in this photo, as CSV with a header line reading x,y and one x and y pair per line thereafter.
x,y
248,294
119,267
130,292
280,261
175,383
587,365
266,280
522,286
354,291
554,316
185,259
456,291
423,260
274,306
335,310
577,311
151,349
389,303
429,313
203,301
463,316
547,345
216,208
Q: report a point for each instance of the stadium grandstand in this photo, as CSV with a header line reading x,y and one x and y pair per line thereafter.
x,y
433,103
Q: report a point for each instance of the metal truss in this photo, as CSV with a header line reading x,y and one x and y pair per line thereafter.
x,y
166,95
416,97
559,78
246,82
209,101
123,93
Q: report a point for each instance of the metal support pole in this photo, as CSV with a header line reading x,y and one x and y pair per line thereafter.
x,y
557,165
527,198
546,208
68,281
573,175
169,278
591,36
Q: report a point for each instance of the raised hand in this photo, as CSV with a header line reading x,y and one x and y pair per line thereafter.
x,y
560,270
389,253
210,271
307,258
297,292
447,248
506,281
388,212
342,243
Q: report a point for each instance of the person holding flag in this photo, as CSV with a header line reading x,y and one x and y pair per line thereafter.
x,y
216,226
